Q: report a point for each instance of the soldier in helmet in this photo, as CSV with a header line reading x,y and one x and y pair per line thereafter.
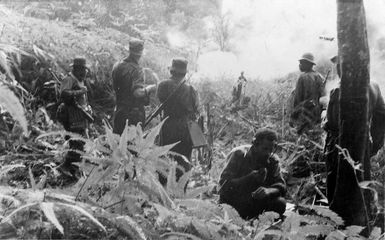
x,y
181,109
309,89
251,181
74,112
128,84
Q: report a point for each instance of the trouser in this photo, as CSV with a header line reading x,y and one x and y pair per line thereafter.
x,y
132,115
176,130
76,147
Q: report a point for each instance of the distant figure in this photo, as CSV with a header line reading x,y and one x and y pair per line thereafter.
x,y
180,110
128,84
252,182
309,89
237,90
74,112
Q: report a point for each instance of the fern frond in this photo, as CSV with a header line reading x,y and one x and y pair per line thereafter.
x,y
326,212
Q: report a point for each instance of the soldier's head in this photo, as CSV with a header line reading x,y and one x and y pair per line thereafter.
x,y
306,62
136,49
178,67
79,68
264,143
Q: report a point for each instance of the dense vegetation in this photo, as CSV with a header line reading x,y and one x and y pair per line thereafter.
x,y
110,201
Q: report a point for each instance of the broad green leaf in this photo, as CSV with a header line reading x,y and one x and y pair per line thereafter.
x,y
5,169
11,103
47,208
179,235
32,179
85,213
198,191
14,212
123,141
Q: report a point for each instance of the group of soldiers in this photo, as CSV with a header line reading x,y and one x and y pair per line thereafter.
x,y
131,97
251,182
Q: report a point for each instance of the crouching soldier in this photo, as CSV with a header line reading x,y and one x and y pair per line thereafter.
x,y
252,181
74,112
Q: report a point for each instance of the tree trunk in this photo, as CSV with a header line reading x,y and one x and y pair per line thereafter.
x,y
353,50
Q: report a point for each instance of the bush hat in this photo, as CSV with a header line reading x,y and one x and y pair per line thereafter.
x,y
79,62
136,46
179,65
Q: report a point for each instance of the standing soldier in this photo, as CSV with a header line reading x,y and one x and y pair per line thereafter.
x,y
237,90
308,91
128,84
74,112
375,139
180,110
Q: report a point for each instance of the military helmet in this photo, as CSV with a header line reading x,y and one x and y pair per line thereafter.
x,y
309,57
179,65
136,46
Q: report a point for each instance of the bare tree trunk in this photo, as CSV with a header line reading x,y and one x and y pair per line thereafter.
x,y
353,48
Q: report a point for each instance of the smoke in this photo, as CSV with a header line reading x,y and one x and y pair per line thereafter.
x,y
280,31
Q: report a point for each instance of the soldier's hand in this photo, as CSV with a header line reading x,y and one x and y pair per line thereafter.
x,y
83,89
259,175
261,193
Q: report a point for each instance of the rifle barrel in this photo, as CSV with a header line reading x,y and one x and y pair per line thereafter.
x,y
161,106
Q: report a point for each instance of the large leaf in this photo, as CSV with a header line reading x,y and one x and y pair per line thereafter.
x,y
11,103
47,208
85,213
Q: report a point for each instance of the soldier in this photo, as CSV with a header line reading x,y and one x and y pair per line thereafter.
x,y
237,90
252,181
74,112
376,132
128,84
180,110
308,91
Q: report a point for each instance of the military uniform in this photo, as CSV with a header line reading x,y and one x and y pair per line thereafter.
x,y
309,89
127,77
376,131
180,110
71,112
236,186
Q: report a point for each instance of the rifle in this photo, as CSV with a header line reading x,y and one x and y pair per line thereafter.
x,y
84,111
162,105
326,78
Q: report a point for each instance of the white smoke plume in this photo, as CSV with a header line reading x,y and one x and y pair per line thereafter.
x,y
280,31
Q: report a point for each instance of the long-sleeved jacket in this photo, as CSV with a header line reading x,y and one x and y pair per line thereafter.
x,y
181,109
70,90
376,115
235,179
309,87
74,97
127,77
